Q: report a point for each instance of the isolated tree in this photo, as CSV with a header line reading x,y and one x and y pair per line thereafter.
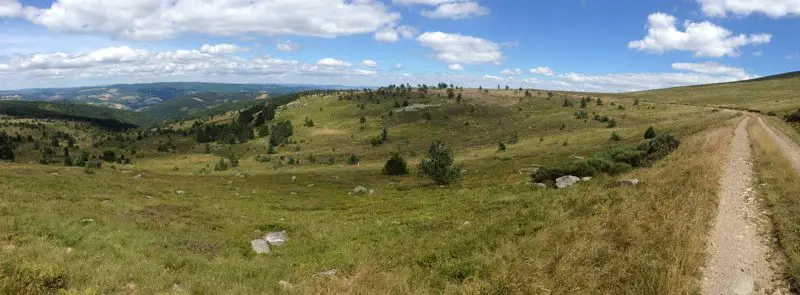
x,y
501,147
362,120
438,166
650,133
636,102
459,98
395,166
67,158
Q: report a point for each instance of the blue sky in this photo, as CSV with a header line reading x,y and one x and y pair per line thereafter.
x,y
588,45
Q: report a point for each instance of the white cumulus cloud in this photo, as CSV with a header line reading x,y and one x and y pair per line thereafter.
x,y
458,49
331,62
369,63
704,39
771,8
163,19
547,71
457,10
393,34
712,68
221,48
287,46
511,72
456,67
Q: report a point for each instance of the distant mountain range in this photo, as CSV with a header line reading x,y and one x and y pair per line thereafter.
x,y
161,100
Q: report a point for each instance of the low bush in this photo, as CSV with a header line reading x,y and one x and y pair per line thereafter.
x,y
613,161
793,117
396,166
438,166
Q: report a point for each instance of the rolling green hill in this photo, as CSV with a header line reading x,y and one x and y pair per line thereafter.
x,y
98,115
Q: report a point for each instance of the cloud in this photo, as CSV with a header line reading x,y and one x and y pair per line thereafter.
x,y
494,78
456,67
287,46
221,48
620,82
771,8
547,71
164,19
369,63
703,39
330,62
10,8
456,10
758,53
712,68
511,72
391,34
458,49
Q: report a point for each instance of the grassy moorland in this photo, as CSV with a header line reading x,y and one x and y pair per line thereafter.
x,y
780,186
770,94
183,227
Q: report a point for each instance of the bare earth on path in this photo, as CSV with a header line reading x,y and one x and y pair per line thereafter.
x,y
787,145
738,251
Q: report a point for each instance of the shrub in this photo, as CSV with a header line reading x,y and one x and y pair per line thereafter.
x,y
395,166
353,160
362,120
631,157
501,147
438,166
611,123
615,137
581,115
793,117
221,165
660,146
109,156
650,133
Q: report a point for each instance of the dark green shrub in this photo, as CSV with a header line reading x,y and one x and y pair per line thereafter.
x,y
615,137
501,147
396,166
631,157
581,115
793,117
221,165
109,156
353,160
650,133
611,123
438,166
659,147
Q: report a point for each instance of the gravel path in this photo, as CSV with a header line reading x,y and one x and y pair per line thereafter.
x,y
738,262
787,145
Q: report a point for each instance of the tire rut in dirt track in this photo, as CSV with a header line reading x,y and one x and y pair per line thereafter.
x,y
738,252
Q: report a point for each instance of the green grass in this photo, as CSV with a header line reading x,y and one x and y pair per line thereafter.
x,y
491,233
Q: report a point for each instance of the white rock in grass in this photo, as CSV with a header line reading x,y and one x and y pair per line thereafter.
x,y
327,273
628,182
566,181
587,178
277,238
285,285
541,185
260,246
360,190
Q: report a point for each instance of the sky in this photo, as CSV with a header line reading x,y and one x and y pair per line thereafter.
x,y
583,45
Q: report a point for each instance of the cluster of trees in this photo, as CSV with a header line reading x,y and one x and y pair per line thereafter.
x,y
437,166
7,146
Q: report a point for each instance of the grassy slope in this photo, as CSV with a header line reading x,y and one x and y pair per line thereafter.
x,y
410,237
779,95
780,188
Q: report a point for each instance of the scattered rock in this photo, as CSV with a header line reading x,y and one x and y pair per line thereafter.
x,y
294,178
310,185
276,238
260,246
371,192
628,182
541,185
293,193
587,178
180,192
285,285
69,250
327,273
396,222
360,190
138,176
178,289
54,173
467,223
131,287
577,157
566,181
87,220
